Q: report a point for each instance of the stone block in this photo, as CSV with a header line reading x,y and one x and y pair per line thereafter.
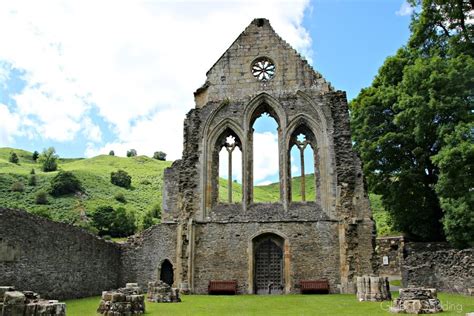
x,y
417,301
373,288
4,289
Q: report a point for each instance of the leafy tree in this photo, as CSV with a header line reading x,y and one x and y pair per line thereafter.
x,y
131,153
111,153
124,223
41,198
454,187
121,178
159,155
115,223
402,122
13,158
48,159
35,156
103,218
65,182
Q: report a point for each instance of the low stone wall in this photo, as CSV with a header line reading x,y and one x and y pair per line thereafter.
x,y
56,260
437,266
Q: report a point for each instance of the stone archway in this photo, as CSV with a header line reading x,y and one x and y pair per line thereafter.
x,y
268,264
166,272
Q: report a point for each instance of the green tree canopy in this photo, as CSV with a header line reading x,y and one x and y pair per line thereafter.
x,y
404,125
48,159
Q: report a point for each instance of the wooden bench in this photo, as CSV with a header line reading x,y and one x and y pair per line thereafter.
x,y
314,286
222,287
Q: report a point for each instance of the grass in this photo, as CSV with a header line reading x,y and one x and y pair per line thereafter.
x,y
336,304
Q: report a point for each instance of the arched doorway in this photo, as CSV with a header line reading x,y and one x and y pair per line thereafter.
x,y
268,264
166,272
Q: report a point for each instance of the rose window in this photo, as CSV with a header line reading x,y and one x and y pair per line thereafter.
x,y
263,69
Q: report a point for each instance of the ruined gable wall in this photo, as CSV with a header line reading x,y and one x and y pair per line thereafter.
x,y
231,76
143,254
56,260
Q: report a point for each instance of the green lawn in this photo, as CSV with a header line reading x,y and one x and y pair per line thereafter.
x,y
340,304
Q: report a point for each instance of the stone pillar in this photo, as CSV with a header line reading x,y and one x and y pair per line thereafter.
x,y
14,303
373,289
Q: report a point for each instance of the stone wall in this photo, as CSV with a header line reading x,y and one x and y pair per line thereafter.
x,y
143,254
438,266
223,252
389,252
54,259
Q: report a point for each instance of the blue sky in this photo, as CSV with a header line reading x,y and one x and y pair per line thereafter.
x,y
86,88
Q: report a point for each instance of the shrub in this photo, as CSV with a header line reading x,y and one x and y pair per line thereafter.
x,y
41,198
32,180
145,182
32,171
42,212
115,223
35,156
48,160
131,153
120,197
121,178
13,158
18,186
111,153
159,155
65,182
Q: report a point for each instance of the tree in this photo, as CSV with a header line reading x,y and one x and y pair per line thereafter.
x,y
48,159
103,218
131,153
35,156
124,223
159,155
120,197
400,123
65,182
454,187
121,178
13,158
111,153
115,223
32,180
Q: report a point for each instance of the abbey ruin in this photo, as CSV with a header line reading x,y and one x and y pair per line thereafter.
x,y
266,247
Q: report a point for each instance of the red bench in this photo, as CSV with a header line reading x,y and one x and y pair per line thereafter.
x,y
222,287
314,286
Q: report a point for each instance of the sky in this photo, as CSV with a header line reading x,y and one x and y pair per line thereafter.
x,y
88,76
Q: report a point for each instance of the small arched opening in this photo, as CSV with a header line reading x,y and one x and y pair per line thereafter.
x,y
166,272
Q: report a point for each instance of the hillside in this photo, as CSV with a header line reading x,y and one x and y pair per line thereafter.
x,y
147,178
94,174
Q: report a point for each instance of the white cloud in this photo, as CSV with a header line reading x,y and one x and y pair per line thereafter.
x,y
405,9
9,125
137,62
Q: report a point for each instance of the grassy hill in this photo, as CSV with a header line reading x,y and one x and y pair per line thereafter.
x,y
147,178
94,173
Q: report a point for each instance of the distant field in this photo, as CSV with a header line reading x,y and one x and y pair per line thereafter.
x,y
146,191
243,305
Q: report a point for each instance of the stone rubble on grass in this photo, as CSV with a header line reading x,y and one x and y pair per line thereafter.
x,y
127,301
417,301
160,292
27,303
373,289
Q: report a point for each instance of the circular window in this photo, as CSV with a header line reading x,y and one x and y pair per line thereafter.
x,y
263,69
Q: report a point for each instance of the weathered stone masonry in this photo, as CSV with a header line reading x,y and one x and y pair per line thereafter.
x,y
56,260
331,238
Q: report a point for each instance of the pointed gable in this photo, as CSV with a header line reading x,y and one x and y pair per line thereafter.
x,y
246,68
